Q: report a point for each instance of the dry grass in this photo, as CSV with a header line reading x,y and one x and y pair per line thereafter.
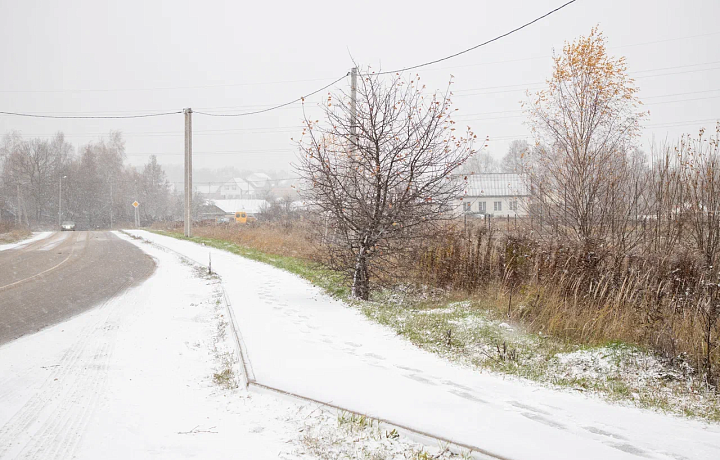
x,y
274,239
9,233
658,301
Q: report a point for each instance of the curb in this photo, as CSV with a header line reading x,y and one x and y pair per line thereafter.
x,y
250,381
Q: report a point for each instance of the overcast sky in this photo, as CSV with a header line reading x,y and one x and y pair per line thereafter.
x,y
136,56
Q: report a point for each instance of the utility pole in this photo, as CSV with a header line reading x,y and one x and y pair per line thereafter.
x,y
188,171
19,208
353,109
111,205
60,204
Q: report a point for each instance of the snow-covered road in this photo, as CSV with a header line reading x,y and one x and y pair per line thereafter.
x,y
302,341
132,378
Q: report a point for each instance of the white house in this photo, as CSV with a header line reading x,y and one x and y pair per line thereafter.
x,y
497,195
236,188
259,181
207,190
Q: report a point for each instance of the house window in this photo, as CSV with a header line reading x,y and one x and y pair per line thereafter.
x,y
497,205
481,206
513,205
467,207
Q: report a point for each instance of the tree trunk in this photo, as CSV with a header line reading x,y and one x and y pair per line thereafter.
x,y
361,277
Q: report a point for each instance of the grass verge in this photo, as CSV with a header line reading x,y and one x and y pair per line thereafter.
x,y
475,333
10,235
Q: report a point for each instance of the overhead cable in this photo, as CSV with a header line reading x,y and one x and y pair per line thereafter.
x,y
405,69
302,98
37,115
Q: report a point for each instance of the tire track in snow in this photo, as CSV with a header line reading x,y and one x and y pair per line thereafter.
x,y
61,405
6,383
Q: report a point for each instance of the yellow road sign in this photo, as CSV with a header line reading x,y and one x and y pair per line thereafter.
x,y
136,204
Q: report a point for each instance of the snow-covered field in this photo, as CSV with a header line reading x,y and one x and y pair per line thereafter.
x,y
149,374
302,341
18,244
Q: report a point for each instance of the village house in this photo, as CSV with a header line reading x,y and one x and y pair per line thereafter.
x,y
497,195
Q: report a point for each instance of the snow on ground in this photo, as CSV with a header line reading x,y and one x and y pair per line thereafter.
x,y
18,244
612,362
302,341
150,374
477,338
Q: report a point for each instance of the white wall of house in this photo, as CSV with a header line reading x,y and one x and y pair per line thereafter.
x,y
498,206
235,189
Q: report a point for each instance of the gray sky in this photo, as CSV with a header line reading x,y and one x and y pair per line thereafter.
x,y
102,57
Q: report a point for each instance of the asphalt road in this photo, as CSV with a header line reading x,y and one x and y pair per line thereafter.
x,y
67,273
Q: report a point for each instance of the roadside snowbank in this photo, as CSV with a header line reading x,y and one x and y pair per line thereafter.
x,y
19,244
302,341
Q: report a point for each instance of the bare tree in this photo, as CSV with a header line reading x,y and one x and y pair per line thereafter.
x,y
153,192
379,176
33,167
481,163
699,209
517,158
700,163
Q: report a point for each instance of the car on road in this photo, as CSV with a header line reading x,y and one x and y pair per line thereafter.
x,y
68,226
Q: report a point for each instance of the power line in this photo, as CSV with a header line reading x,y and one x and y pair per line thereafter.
x,y
221,182
104,90
677,73
458,93
481,44
525,86
678,67
37,115
533,58
291,128
302,98
260,130
683,100
682,94
216,152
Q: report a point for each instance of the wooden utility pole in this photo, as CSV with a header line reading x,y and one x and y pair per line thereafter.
x,y
19,208
188,171
353,109
60,205
111,205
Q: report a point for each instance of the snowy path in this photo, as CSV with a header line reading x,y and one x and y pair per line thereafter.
x,y
132,379
304,342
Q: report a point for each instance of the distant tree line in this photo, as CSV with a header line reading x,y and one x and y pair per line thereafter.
x,y
43,181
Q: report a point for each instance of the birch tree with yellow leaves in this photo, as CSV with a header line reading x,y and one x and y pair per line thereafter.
x,y
586,123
